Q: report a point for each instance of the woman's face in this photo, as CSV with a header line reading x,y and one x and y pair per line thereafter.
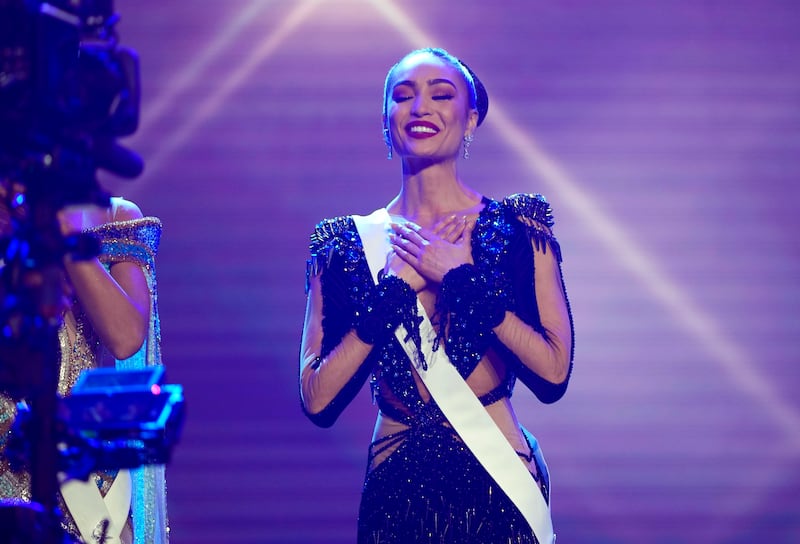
x,y
428,112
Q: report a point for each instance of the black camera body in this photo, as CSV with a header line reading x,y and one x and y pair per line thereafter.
x,y
68,90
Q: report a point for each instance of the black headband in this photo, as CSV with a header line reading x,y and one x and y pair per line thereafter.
x,y
481,97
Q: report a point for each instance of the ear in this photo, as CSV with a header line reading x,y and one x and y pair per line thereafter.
x,y
472,122
386,136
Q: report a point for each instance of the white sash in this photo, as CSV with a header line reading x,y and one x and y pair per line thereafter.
x,y
457,401
89,508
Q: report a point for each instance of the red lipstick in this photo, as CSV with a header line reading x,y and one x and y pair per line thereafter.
x,y
421,129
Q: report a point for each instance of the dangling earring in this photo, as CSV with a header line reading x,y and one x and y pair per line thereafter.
x,y
388,143
467,140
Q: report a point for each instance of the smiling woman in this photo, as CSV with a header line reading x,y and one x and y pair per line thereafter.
x,y
435,299
416,87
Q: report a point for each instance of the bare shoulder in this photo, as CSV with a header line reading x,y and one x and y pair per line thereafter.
x,y
123,210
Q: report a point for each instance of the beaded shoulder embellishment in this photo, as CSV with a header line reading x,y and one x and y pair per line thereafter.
x,y
336,235
531,206
327,230
536,215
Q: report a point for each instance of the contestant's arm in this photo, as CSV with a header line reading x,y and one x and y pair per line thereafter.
x,y
547,353
116,303
328,384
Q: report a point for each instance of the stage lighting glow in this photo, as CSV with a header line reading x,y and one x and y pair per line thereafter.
x,y
230,82
738,364
195,71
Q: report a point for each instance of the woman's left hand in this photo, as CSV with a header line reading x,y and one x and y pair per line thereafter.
x,y
434,252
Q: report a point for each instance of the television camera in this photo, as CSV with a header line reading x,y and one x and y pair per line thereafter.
x,y
68,91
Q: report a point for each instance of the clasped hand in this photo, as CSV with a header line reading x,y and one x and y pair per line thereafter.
x,y
421,256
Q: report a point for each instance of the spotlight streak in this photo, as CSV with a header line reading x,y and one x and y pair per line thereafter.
x,y
686,313
194,71
169,144
697,323
403,23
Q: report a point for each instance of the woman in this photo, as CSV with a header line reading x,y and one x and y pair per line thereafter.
x,y
459,282
110,318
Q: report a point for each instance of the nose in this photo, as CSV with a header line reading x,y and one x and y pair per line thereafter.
x,y
420,105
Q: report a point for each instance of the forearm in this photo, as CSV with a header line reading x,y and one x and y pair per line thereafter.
x,y
545,353
544,349
329,383
478,301
322,379
118,313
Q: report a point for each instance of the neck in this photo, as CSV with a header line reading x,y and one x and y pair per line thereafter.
x,y
430,192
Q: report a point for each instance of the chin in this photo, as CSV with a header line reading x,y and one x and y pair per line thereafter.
x,y
434,156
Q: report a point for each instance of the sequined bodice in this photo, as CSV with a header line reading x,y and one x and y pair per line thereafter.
x,y
422,481
497,240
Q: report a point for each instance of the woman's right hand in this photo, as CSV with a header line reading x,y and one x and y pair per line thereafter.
x,y
449,229
398,267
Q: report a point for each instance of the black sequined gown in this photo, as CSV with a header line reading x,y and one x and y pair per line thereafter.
x,y
422,484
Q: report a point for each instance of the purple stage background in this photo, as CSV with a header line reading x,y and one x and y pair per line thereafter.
x,y
665,134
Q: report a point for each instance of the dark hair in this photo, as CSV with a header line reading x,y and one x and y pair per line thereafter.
x,y
478,98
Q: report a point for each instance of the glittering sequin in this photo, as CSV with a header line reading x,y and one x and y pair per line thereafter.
x,y
432,490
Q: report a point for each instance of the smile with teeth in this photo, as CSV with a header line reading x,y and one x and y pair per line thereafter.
x,y
422,130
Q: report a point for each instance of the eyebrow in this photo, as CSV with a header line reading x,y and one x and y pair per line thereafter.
x,y
430,82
